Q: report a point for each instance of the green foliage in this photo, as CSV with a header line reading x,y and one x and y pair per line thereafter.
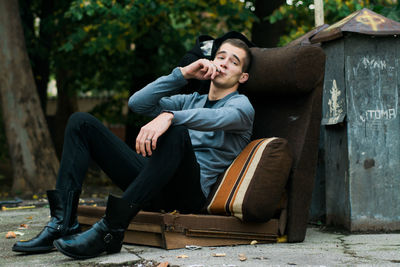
x,y
110,27
300,17
392,11
117,45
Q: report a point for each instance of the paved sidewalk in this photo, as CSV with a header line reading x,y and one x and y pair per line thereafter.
x,y
319,248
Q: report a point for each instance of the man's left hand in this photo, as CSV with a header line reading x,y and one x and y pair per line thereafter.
x,y
146,140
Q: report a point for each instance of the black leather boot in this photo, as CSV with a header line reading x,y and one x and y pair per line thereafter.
x,y
63,222
106,235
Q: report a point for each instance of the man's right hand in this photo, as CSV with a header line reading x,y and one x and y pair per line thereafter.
x,y
202,69
147,138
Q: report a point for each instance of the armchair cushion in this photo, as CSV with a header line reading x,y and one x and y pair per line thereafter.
x,y
252,186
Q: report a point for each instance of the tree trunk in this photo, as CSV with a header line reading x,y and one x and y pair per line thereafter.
x,y
34,161
39,47
41,60
265,34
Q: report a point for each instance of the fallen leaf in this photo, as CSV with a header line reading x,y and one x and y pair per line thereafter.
x,y
219,254
253,242
174,212
163,264
182,256
282,239
242,257
29,218
11,235
23,226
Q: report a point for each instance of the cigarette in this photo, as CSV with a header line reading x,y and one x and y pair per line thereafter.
x,y
217,69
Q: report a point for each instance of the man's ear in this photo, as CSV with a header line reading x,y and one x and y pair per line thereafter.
x,y
244,77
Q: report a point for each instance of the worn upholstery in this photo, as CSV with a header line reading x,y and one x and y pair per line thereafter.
x,y
285,88
284,71
252,187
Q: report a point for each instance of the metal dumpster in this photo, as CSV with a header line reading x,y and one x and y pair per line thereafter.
x,y
361,124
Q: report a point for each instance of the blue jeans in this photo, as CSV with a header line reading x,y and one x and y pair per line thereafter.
x,y
169,179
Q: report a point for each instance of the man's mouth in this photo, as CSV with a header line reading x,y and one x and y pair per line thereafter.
x,y
220,72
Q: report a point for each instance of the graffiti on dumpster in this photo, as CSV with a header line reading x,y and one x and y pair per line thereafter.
x,y
388,114
372,87
373,63
335,104
370,19
365,17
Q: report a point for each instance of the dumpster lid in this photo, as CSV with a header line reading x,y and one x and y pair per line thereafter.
x,y
363,21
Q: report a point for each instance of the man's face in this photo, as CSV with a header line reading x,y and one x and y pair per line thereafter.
x,y
230,60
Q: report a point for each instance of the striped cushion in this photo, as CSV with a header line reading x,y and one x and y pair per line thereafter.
x,y
252,186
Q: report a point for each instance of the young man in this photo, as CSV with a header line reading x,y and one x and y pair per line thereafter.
x,y
177,157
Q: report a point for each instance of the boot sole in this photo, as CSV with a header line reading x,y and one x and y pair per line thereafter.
x,y
33,250
78,257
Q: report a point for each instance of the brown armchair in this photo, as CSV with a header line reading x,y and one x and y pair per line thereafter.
x,y
286,92
285,89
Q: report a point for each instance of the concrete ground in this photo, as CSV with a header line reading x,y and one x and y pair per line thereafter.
x,y
321,248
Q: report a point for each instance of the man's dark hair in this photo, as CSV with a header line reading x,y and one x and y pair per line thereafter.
x,y
240,44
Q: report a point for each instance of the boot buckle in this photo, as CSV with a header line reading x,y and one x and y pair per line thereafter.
x,y
108,237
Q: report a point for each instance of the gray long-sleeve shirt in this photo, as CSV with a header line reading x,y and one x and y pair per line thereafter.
x,y
218,134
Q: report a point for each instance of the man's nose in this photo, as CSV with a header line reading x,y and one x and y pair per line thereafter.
x,y
223,63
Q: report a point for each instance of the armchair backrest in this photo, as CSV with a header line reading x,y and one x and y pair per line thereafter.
x,y
285,88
